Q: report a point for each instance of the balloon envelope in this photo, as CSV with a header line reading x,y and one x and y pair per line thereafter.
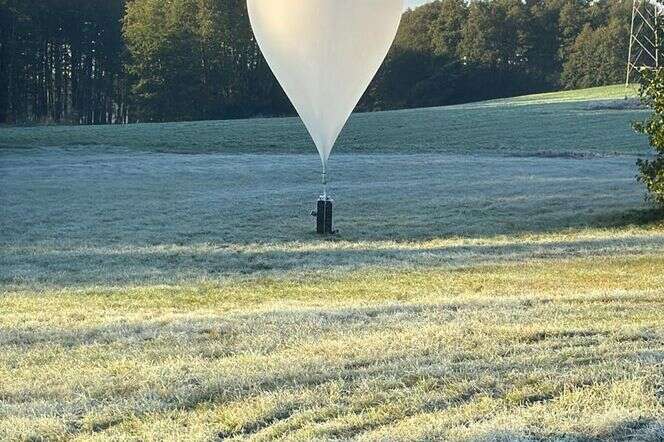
x,y
324,54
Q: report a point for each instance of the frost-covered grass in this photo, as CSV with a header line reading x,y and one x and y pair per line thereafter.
x,y
483,287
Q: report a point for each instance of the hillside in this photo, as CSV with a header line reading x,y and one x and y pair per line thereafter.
x,y
587,122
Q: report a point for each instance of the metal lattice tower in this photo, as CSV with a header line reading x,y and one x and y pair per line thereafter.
x,y
645,38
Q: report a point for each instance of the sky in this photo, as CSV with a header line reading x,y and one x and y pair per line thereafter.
x,y
412,3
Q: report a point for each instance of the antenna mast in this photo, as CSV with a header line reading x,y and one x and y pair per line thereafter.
x,y
644,39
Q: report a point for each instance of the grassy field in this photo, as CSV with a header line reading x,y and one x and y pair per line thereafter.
x,y
605,93
560,124
498,276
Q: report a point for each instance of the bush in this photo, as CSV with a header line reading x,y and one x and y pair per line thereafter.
x,y
652,170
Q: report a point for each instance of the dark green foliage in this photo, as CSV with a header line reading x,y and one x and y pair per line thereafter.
x,y
598,54
452,51
196,59
652,170
60,61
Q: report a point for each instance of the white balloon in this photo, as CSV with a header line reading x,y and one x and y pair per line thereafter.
x,y
324,54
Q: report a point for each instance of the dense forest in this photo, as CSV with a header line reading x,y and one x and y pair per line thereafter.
x,y
117,61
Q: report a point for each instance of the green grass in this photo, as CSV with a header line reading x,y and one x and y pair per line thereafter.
x,y
615,92
498,276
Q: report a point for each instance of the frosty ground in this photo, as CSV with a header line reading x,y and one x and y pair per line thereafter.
x,y
498,275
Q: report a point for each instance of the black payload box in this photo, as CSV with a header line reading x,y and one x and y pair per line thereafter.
x,y
323,216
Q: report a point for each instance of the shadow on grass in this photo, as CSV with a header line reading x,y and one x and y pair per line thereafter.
x,y
173,264
629,218
639,429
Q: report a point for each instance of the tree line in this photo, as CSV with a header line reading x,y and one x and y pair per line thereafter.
x,y
62,61
117,61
